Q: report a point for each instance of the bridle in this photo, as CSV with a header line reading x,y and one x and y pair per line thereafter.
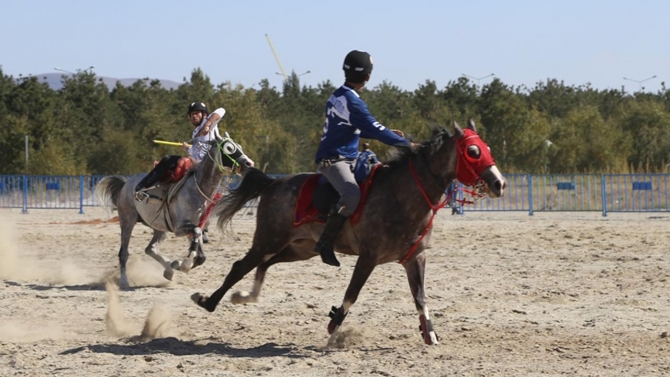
x,y
469,176
228,148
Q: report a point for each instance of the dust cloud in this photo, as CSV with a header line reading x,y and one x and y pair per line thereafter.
x,y
27,268
116,326
156,325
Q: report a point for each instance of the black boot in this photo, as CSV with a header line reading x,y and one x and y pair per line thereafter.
x,y
165,164
149,180
325,246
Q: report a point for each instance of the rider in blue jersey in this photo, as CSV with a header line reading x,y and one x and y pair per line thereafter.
x,y
347,120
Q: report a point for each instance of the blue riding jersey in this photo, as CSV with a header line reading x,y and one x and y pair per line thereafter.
x,y
347,120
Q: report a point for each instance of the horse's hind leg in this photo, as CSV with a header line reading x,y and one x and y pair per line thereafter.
x,y
362,271
127,224
288,254
415,268
152,251
251,260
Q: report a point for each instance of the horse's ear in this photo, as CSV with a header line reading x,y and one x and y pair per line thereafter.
x,y
458,131
471,124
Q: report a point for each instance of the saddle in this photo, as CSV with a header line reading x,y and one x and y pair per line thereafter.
x,y
317,196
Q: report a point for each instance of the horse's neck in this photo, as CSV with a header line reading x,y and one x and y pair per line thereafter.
x,y
209,176
435,171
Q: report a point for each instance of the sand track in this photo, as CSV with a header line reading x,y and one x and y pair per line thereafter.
x,y
510,294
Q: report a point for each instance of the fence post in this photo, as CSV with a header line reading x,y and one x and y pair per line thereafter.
x,y
603,188
25,194
530,194
81,195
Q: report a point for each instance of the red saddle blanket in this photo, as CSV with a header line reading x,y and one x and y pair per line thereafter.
x,y
305,212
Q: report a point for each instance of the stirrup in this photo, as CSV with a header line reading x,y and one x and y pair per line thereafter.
x,y
141,196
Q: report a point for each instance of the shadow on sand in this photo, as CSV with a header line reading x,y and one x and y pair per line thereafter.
x,y
178,347
48,287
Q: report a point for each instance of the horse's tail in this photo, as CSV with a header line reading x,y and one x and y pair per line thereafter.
x,y
108,189
253,184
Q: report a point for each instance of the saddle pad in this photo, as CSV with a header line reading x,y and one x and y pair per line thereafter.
x,y
305,212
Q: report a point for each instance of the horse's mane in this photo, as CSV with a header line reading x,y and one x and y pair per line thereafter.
x,y
400,155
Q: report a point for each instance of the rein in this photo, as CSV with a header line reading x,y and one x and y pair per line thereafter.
x,y
435,207
476,193
207,198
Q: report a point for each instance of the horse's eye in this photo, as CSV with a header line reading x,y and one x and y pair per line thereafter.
x,y
473,151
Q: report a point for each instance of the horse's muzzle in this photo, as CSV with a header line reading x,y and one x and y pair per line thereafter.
x,y
495,182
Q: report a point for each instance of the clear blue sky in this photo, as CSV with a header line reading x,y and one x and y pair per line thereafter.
x,y
522,42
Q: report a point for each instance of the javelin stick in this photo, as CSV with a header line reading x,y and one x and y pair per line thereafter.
x,y
169,143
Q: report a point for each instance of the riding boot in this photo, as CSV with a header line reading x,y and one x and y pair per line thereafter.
x,y
165,164
325,246
149,180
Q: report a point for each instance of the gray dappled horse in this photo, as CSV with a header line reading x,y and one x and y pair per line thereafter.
x,y
394,224
172,207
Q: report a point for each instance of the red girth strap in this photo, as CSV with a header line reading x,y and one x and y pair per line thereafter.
x,y
434,207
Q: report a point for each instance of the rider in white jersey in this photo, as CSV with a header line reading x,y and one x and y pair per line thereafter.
x,y
206,130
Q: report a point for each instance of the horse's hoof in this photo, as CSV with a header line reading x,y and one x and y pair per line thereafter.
x,y
168,274
201,300
176,264
332,327
199,261
123,282
186,265
243,298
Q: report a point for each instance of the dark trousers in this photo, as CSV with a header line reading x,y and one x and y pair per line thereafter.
x,y
166,164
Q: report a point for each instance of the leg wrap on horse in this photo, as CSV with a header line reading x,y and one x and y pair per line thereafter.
x,y
426,327
337,316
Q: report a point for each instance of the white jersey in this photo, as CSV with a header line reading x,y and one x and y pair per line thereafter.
x,y
199,149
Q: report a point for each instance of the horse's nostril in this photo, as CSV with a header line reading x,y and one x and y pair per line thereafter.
x,y
500,185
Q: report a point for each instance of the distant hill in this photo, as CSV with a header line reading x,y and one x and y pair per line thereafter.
x,y
54,81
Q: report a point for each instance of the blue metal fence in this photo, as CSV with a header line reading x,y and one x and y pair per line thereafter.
x,y
44,192
525,192
581,192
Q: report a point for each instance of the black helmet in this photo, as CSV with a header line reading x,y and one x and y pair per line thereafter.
x,y
357,64
197,106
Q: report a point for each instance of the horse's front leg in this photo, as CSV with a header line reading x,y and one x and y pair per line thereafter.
x,y
240,268
362,271
194,250
416,268
152,251
288,254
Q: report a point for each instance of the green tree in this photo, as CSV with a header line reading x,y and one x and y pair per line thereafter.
x,y
647,129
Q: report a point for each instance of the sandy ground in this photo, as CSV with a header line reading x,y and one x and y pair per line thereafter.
x,y
510,294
